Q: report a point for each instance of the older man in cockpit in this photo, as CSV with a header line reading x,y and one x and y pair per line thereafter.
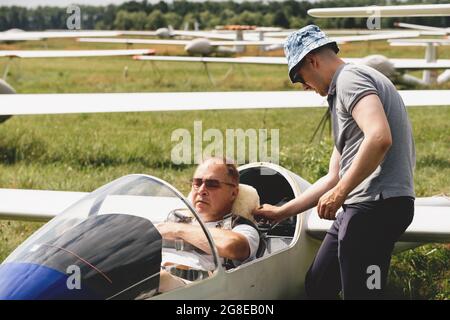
x,y
215,187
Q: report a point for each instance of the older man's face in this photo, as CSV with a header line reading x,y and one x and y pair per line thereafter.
x,y
214,202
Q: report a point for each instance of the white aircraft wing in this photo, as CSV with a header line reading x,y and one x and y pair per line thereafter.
x,y
186,33
35,205
71,53
431,222
35,104
12,37
227,35
191,34
268,41
138,33
410,64
22,104
243,60
406,64
179,42
420,64
421,10
211,35
416,44
432,30
377,36
135,41
26,35
410,42
344,39
248,42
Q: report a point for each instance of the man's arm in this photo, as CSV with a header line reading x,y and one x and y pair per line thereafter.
x,y
230,244
371,119
307,199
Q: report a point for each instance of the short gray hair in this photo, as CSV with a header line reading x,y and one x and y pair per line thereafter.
x,y
232,170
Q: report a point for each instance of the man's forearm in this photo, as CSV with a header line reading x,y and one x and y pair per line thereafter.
x,y
309,198
194,235
369,156
229,244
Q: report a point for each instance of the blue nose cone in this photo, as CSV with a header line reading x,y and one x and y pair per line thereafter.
x,y
28,281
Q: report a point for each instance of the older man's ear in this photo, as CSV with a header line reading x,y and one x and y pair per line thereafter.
x,y
235,192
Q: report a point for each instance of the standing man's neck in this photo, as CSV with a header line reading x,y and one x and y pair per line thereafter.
x,y
333,67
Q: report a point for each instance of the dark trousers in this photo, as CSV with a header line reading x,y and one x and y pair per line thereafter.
x,y
356,253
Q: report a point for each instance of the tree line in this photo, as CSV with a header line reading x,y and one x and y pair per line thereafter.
x,y
142,15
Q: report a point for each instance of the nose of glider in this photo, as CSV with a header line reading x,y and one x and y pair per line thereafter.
x,y
199,46
163,33
124,262
29,281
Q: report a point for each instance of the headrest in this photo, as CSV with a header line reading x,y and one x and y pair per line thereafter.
x,y
246,201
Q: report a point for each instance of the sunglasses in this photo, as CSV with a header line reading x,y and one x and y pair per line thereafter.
x,y
297,76
209,183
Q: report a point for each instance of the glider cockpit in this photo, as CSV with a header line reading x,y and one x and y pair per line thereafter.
x,y
273,188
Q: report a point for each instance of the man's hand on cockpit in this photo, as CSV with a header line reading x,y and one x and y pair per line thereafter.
x,y
268,213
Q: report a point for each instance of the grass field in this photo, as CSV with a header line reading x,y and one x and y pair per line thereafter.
x,y
82,152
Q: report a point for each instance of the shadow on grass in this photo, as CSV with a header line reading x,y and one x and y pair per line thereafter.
x,y
25,147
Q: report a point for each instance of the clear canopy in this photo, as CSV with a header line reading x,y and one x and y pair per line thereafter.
x,y
112,236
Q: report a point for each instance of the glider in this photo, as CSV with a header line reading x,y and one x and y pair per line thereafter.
x,y
109,236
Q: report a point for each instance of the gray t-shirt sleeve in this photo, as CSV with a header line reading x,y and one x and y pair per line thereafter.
x,y
352,86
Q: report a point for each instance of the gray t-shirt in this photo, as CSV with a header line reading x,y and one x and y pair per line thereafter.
x,y
394,176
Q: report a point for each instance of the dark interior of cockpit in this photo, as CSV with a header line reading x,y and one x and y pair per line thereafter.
x,y
274,189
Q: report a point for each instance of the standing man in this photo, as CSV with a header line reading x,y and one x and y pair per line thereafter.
x,y
370,171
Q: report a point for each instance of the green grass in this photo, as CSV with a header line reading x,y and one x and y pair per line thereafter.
x,y
82,152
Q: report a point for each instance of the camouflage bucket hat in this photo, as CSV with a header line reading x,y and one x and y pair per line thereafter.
x,y
299,43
